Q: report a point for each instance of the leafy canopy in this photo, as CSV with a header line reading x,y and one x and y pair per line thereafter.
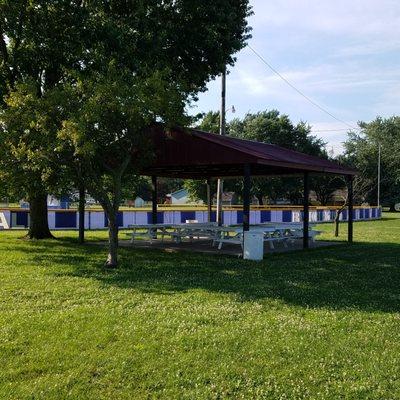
x,y
70,46
362,152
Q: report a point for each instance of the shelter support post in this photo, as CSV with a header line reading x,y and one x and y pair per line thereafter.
x,y
81,214
220,191
209,200
222,123
246,197
350,212
154,199
306,211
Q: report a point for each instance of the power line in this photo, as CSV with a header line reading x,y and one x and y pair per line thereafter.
x,y
330,130
297,90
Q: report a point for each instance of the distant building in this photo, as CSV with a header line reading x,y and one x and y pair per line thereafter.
x,y
181,196
53,202
139,202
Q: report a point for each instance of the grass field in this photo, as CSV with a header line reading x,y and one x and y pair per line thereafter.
x,y
320,324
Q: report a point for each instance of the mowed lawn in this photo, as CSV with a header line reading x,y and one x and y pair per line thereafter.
x,y
319,324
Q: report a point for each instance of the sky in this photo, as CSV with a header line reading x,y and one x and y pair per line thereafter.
x,y
343,54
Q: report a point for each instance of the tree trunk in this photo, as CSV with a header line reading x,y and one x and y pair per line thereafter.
x,y
81,215
39,226
111,206
112,259
337,222
260,200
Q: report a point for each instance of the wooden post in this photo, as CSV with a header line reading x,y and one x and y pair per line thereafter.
x,y
246,197
306,211
209,200
154,199
81,212
350,211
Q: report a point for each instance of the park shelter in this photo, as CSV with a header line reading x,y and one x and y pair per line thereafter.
x,y
193,154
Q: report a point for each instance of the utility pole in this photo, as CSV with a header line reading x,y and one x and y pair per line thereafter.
x,y
222,123
379,176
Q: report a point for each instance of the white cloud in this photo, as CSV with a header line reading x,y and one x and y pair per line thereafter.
x,y
340,17
342,54
369,48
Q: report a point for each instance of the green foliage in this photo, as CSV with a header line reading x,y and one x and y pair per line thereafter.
x,y
272,127
52,45
362,153
39,42
107,132
27,137
324,187
210,122
319,324
197,189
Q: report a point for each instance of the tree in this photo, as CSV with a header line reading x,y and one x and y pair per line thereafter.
x,y
359,187
362,152
28,162
197,189
146,63
210,122
325,186
39,42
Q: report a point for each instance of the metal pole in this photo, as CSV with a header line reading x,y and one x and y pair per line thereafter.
x,y
306,212
81,214
209,200
154,199
246,197
350,217
379,176
222,124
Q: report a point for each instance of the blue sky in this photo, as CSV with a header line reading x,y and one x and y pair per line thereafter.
x,y
345,55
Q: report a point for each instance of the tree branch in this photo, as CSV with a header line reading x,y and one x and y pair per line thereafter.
x,y
3,47
18,37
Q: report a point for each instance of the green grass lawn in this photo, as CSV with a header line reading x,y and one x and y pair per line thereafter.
x,y
318,324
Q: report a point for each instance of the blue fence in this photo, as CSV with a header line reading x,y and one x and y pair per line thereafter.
x,y
68,219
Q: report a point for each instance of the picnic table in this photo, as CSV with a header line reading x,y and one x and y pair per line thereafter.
x,y
176,231
286,232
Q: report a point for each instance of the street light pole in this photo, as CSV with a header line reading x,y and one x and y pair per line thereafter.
x,y
222,124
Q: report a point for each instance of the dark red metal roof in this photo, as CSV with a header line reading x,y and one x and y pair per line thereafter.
x,y
190,153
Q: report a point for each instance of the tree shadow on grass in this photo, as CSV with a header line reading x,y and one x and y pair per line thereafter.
x,y
363,276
